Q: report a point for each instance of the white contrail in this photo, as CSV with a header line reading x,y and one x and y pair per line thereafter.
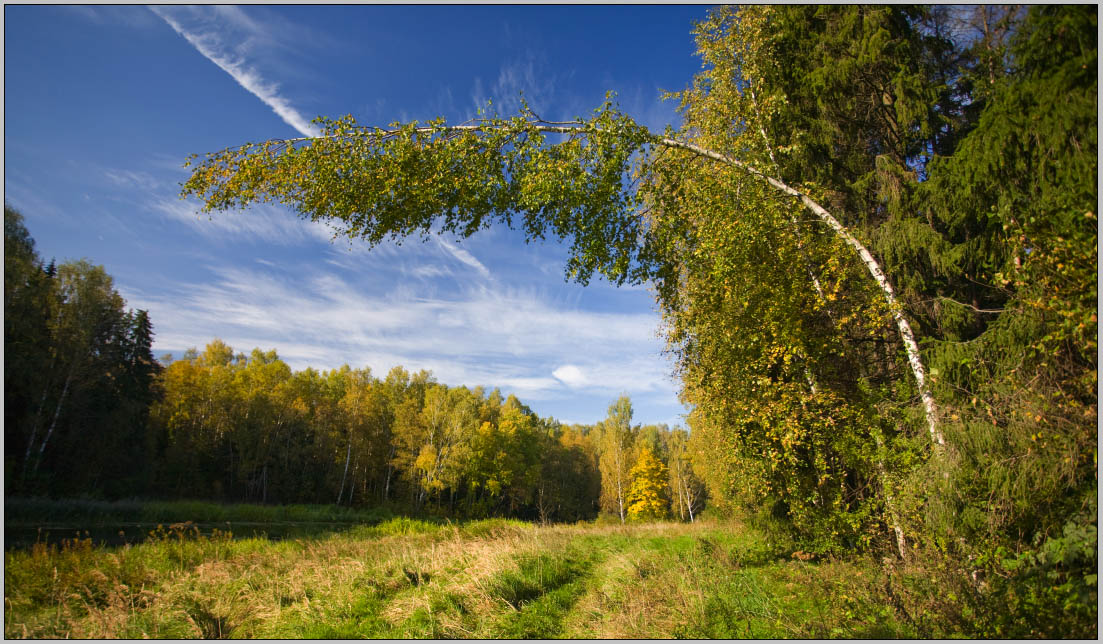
x,y
208,45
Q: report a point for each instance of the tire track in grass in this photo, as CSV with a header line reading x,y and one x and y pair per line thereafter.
x,y
643,589
596,612
542,590
440,589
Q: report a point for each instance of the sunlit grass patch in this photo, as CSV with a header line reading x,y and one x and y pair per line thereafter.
x,y
492,528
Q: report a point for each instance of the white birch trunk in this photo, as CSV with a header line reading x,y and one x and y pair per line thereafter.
x,y
34,429
41,403
620,498
352,484
690,500
387,479
348,455
906,335
53,423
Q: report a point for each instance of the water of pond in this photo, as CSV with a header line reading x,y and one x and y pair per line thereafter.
x,y
23,536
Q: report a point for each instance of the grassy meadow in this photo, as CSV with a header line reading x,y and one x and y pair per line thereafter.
x,y
408,578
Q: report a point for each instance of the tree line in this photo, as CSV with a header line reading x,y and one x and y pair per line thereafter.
x,y
248,428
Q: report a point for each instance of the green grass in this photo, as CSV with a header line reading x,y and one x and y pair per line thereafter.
x,y
33,520
409,578
91,511
541,590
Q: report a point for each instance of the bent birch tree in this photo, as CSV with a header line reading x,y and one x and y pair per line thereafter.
x,y
378,183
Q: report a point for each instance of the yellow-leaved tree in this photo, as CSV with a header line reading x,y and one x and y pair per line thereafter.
x,y
647,495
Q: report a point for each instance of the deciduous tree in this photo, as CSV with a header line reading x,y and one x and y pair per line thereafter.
x,y
646,498
615,461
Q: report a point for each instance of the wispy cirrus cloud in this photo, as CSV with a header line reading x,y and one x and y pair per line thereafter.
x,y
266,223
131,16
132,179
473,335
228,48
462,256
529,75
649,109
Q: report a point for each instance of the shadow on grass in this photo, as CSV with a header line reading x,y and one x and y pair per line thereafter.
x,y
28,521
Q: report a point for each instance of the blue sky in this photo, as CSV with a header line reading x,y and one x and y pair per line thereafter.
x,y
103,104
